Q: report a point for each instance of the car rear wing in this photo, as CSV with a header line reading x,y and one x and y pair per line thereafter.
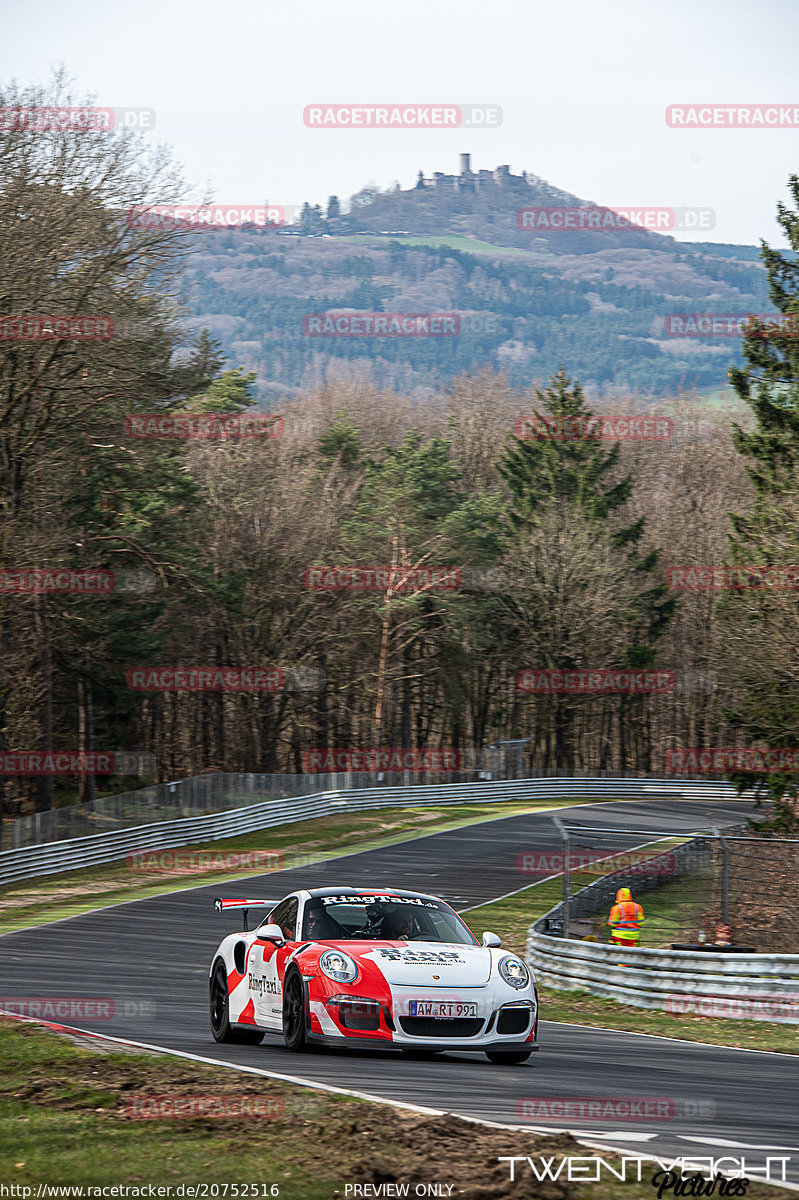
x,y
221,905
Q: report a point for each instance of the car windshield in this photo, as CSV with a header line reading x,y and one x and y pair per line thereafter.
x,y
384,918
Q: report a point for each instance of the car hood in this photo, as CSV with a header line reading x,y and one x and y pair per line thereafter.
x,y
429,964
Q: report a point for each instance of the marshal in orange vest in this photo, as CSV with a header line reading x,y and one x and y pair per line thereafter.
x,y
625,920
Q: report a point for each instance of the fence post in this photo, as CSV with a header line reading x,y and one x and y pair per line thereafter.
x,y
725,876
566,881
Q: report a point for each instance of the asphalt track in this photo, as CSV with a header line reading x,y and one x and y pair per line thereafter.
x,y
151,958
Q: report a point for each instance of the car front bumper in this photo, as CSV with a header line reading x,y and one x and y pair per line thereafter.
x,y
510,1024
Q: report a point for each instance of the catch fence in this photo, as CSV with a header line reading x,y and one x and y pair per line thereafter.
x,y
689,883
224,791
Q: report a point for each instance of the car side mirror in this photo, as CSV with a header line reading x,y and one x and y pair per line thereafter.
x,y
272,933
491,939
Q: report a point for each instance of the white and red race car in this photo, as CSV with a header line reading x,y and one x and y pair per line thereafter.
x,y
355,967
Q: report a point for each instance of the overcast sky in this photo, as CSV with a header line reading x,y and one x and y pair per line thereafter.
x,y
583,87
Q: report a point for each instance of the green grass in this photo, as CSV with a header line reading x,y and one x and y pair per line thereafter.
x,y
45,898
453,241
66,1118
511,918
673,910
725,397
583,1008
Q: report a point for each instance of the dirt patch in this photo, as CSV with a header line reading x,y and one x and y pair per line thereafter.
x,y
367,1142
763,903
157,1111
764,894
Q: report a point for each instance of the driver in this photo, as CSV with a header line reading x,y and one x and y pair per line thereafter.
x,y
399,925
319,926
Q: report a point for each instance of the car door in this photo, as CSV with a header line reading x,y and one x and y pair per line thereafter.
x,y
267,985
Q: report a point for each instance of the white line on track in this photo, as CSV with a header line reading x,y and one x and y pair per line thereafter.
x,y
717,1141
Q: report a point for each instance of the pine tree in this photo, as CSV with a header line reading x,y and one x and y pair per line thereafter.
x,y
582,587
763,620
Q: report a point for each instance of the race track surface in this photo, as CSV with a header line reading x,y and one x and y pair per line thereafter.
x,y
151,958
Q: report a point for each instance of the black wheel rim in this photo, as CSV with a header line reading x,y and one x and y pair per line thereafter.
x,y
293,1009
219,1000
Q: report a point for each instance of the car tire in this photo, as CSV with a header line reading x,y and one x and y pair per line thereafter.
x,y
294,1029
508,1057
219,1001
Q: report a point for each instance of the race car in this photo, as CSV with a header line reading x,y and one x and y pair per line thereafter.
x,y
344,966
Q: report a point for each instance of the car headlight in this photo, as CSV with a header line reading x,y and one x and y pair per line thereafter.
x,y
513,971
338,966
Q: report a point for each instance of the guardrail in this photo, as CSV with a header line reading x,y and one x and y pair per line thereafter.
x,y
70,854
221,791
676,980
721,984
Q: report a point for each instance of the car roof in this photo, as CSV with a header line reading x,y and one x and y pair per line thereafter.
x,y
349,890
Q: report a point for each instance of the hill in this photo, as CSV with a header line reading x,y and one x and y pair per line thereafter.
x,y
529,301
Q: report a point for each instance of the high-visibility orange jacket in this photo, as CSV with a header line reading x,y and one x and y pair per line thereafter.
x,y
626,917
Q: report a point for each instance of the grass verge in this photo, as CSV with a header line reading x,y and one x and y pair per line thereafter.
x,y
452,241
510,918
71,1116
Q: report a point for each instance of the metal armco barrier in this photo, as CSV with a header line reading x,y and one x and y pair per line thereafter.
x,y
723,984
70,854
680,980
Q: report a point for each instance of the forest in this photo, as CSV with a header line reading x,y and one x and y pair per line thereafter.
x,y
562,548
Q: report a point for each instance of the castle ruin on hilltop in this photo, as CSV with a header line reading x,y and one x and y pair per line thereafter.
x,y
469,180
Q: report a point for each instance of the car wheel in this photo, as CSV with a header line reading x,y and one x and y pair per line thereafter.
x,y
220,1019
294,1012
508,1057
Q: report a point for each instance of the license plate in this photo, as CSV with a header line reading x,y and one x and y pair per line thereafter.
x,y
442,1008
